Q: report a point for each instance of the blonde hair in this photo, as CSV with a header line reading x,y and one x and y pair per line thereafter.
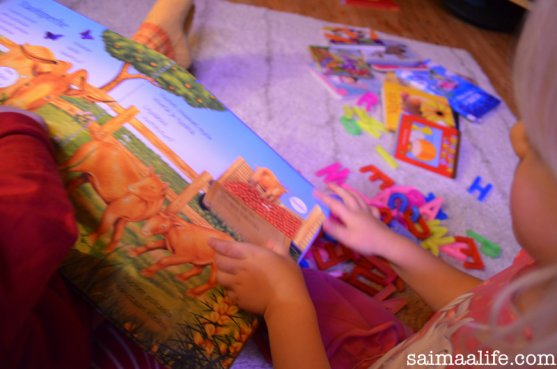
x,y
535,83
535,79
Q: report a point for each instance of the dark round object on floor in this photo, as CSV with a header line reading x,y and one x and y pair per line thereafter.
x,y
496,15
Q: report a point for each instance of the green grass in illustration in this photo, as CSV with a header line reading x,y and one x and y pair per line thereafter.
x,y
172,325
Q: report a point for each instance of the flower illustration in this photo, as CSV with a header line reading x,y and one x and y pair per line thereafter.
x,y
436,112
223,310
205,343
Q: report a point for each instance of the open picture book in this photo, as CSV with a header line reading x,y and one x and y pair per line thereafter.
x,y
155,165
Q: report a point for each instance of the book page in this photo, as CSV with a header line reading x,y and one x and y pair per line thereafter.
x,y
155,166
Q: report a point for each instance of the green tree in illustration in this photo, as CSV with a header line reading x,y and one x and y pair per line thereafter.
x,y
157,69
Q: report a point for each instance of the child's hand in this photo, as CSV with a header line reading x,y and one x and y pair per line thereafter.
x,y
354,223
257,277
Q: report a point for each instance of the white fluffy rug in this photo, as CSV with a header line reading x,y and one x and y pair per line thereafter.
x,y
255,60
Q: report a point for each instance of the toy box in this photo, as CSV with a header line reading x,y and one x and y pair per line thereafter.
x,y
428,145
353,38
340,62
399,100
465,98
346,87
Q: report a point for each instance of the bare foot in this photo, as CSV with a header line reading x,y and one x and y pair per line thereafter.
x,y
166,27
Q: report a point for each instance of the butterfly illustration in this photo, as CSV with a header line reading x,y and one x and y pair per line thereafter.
x,y
51,36
86,35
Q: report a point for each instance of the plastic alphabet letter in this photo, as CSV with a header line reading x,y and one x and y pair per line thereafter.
x,y
378,175
382,198
437,237
487,247
394,305
414,195
441,215
386,215
431,209
476,186
356,192
431,245
382,266
370,272
471,251
385,292
398,201
351,126
415,213
371,125
454,250
334,173
369,100
389,159
356,119
357,278
348,112
422,232
361,113
328,254
400,285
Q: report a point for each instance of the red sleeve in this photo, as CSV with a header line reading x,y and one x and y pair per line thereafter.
x,y
40,326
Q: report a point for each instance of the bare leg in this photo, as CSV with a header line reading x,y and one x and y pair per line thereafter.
x,y
166,27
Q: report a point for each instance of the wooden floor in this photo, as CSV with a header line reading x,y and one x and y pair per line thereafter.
x,y
423,20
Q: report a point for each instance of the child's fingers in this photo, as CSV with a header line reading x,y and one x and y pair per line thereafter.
x,y
336,206
232,249
232,295
362,204
346,197
226,280
227,264
375,212
352,200
319,195
277,247
335,229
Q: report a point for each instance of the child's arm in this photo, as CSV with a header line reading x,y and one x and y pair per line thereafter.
x,y
435,281
272,285
358,227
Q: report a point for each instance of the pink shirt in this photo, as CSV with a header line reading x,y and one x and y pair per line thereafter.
x,y
454,329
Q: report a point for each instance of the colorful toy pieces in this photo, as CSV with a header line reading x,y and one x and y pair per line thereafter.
x,y
408,212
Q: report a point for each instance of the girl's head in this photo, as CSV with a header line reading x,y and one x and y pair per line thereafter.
x,y
534,189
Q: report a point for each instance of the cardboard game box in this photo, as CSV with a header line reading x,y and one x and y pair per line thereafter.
x,y
394,53
346,87
155,165
466,98
353,38
399,100
430,146
340,62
